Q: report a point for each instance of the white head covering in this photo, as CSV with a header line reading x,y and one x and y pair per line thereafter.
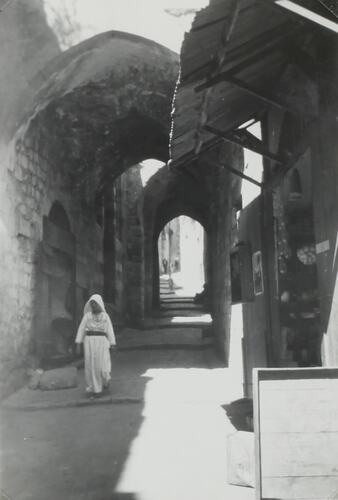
x,y
95,298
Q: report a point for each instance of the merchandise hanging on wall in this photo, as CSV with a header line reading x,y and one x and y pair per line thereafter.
x,y
257,273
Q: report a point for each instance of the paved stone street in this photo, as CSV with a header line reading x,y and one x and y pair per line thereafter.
x,y
166,442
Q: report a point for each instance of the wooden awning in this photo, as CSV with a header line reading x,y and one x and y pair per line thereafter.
x,y
231,63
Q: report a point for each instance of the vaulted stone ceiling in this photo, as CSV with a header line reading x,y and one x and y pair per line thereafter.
x,y
105,106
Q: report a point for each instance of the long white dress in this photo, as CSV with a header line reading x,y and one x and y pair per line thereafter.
x,y
96,349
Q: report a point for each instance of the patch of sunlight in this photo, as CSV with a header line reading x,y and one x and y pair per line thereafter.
x,y
190,385
148,168
308,14
203,318
253,168
236,339
180,452
248,123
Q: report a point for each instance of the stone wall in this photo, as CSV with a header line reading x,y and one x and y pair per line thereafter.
x,y
219,246
30,185
26,45
126,252
17,282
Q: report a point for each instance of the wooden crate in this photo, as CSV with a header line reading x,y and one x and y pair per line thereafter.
x,y
296,433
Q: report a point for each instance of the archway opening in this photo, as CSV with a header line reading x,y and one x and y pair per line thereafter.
x,y
181,252
148,168
127,239
58,216
56,289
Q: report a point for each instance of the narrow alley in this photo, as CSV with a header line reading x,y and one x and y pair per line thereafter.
x,y
160,434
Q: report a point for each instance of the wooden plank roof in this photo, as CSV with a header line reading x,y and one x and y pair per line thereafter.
x,y
246,39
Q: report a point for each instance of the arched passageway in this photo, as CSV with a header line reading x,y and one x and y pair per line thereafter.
x,y
126,241
103,107
181,257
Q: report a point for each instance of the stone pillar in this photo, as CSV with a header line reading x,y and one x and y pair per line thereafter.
x,y
109,247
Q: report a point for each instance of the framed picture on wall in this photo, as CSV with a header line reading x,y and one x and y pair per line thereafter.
x,y
241,274
236,287
257,273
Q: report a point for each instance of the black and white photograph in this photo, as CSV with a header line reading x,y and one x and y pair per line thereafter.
x,y
169,250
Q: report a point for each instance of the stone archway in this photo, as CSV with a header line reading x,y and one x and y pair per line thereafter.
x,y
55,301
103,106
169,194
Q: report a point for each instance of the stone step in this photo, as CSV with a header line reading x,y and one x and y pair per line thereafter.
x,y
167,292
172,313
167,338
180,306
181,321
164,288
179,300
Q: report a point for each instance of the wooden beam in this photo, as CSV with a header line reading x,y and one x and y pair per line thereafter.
x,y
219,57
192,156
268,99
306,14
244,138
233,170
248,123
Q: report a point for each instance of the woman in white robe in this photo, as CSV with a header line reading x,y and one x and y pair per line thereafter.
x,y
97,335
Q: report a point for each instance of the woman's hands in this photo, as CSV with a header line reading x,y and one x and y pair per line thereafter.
x,y
78,350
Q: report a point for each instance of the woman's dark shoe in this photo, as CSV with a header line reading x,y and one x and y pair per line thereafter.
x,y
96,395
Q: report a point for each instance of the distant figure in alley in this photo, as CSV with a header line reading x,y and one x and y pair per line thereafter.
x,y
96,333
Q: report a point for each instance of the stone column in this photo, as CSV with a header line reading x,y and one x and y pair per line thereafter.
x,y
109,247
